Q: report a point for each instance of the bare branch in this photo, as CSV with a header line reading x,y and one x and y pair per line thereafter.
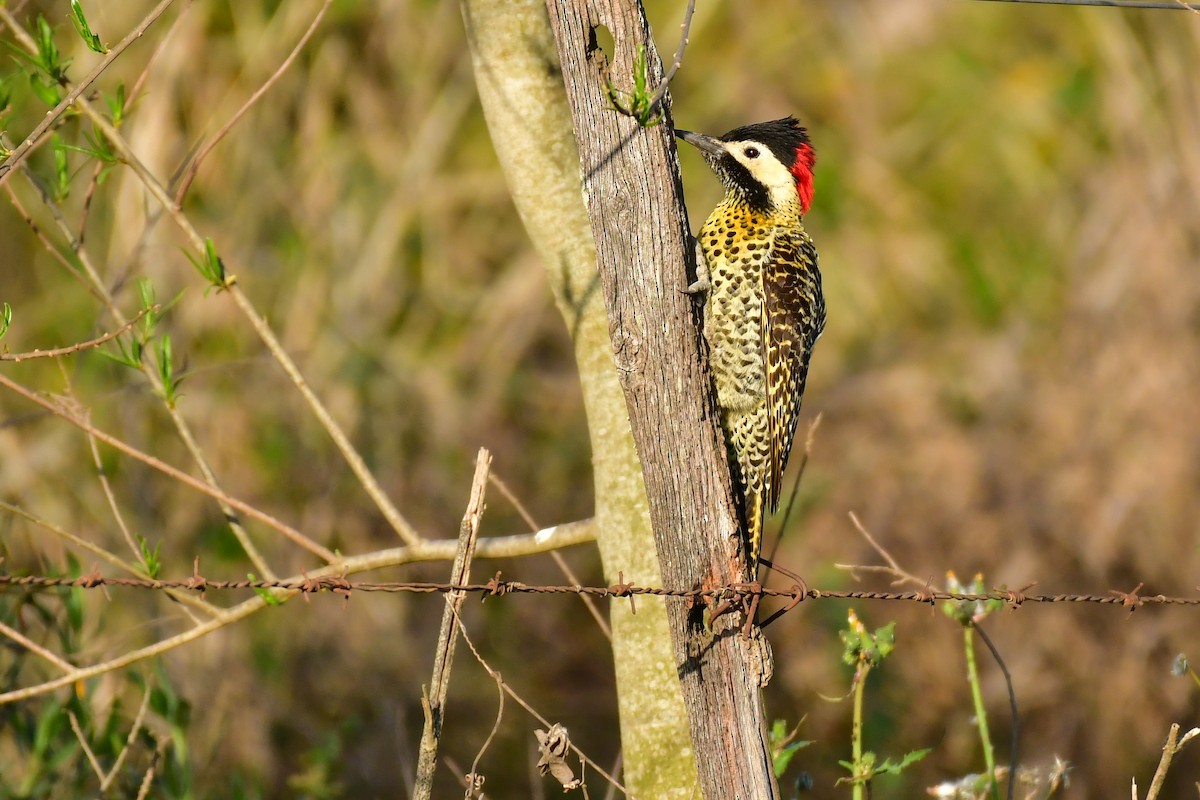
x,y
532,711
554,554
434,702
287,530
26,147
80,346
677,61
190,174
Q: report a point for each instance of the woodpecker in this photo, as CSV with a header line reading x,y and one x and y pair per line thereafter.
x,y
764,309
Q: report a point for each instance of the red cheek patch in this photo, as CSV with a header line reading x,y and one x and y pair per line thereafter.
x,y
802,168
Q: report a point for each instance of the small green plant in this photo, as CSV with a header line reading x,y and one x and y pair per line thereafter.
x,y
98,148
643,102
167,375
784,745
116,105
131,356
969,613
865,650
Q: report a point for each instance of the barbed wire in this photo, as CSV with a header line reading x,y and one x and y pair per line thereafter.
x,y
499,587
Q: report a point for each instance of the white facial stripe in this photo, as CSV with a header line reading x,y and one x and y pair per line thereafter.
x,y
767,169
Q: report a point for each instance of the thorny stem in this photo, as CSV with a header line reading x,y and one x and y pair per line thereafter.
x,y
989,756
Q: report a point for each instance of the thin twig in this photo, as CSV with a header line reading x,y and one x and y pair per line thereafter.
x,y
893,568
190,174
23,150
677,61
80,346
787,512
442,550
533,712
134,730
1173,745
87,749
434,702
495,729
287,530
34,647
554,554
148,778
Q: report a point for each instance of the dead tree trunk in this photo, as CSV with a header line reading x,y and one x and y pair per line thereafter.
x,y
632,189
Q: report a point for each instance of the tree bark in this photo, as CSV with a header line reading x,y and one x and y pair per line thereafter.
x,y
632,190
521,89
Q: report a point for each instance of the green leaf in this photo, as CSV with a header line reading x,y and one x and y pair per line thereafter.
x,y
151,562
5,318
639,105
62,170
166,371
210,266
783,748
46,69
893,768
85,30
116,106
267,595
131,358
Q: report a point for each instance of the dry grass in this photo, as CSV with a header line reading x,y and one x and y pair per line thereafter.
x,y
1006,210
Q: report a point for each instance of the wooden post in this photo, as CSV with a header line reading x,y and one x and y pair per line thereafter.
x,y
632,188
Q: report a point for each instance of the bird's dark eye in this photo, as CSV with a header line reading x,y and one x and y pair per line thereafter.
x,y
751,152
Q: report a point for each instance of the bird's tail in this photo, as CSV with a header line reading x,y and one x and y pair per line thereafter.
x,y
756,513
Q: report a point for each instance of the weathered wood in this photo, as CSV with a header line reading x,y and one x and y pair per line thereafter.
x,y
525,103
633,192
434,700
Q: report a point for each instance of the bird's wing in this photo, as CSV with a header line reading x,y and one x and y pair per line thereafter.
x,y
794,318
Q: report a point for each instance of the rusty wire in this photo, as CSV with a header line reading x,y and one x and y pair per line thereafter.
x,y
498,587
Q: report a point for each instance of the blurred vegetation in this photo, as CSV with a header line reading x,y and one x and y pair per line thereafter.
x,y
1006,210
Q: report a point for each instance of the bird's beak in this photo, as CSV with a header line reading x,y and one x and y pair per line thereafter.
x,y
705,144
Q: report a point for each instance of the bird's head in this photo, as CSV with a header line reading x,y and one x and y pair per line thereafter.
x,y
768,164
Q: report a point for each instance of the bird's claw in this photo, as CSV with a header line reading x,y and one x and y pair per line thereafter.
x,y
701,284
